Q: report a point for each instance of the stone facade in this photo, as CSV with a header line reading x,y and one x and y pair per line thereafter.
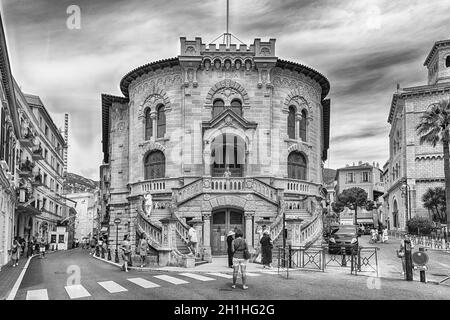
x,y
420,165
190,188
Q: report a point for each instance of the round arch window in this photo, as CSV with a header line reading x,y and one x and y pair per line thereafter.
x,y
297,167
155,165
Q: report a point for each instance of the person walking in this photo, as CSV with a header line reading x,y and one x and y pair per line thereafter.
x,y
126,255
240,257
385,235
42,248
401,255
230,239
266,250
143,249
192,234
30,247
15,252
92,244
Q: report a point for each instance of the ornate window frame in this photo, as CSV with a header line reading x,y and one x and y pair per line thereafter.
x,y
228,90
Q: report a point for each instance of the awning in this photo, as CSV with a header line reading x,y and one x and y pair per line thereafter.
x,y
28,210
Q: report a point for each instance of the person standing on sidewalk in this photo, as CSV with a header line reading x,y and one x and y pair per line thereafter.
x,y
42,248
30,247
230,239
143,249
240,250
15,252
126,255
266,250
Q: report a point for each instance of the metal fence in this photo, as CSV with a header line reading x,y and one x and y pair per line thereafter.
x,y
431,242
319,258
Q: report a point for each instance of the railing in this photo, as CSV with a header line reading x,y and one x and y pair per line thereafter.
x,y
163,185
295,186
435,243
296,205
311,230
182,230
276,227
190,190
153,233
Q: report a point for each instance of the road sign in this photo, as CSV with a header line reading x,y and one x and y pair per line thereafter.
x,y
420,258
117,220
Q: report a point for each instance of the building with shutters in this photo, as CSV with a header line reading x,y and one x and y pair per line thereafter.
x,y
219,137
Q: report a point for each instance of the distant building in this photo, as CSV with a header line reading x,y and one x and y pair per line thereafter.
x,y
420,166
86,205
329,183
366,177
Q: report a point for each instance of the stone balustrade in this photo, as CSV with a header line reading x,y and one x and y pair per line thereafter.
x,y
153,186
153,233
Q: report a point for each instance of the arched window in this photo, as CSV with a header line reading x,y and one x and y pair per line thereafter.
x,y
297,166
447,62
228,151
161,121
148,125
291,123
236,106
303,126
218,107
155,165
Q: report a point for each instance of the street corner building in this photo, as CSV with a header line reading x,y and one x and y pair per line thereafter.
x,y
412,167
221,137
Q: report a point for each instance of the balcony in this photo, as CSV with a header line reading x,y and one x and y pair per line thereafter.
x,y
27,140
37,180
37,154
297,187
154,186
26,168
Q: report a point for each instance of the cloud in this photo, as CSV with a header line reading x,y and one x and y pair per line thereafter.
x,y
364,48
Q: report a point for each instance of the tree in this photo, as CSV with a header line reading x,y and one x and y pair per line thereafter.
x,y
352,198
420,225
434,200
433,128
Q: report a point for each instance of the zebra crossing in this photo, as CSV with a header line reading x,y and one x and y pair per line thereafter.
x,y
78,291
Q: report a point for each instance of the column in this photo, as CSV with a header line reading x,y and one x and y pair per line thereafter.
x,y
168,240
206,235
298,118
207,162
249,228
154,123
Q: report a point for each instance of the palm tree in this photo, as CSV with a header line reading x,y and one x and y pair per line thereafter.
x,y
434,200
433,128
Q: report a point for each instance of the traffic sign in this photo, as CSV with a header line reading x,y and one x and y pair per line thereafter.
x,y
117,220
420,258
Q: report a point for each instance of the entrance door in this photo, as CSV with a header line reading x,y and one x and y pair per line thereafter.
x,y
223,221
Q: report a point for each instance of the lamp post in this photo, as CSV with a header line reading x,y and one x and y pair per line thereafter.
x,y
117,222
405,193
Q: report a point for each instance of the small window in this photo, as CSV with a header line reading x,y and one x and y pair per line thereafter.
x,y
303,126
447,62
236,107
218,107
291,123
350,177
161,121
365,177
148,125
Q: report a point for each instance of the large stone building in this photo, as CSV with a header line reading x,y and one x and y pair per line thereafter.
x,y
9,136
420,166
220,137
364,176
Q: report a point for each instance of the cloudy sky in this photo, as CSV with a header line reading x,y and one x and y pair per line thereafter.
x,y
364,48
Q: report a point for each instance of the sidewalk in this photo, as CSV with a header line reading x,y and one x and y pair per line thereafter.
x,y
9,275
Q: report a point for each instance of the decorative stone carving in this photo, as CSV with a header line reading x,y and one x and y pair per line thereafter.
x,y
206,196
151,80
227,89
121,126
265,51
149,146
155,97
190,50
118,113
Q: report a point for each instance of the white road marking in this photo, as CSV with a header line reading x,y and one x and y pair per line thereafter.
x,y
170,279
144,283
253,274
77,291
16,286
40,294
197,276
223,275
112,287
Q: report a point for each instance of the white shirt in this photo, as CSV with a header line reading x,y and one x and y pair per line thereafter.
x,y
192,235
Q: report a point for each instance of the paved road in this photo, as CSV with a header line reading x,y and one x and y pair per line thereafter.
x,y
47,279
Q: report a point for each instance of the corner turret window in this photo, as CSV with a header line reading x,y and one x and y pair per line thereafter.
x,y
148,125
297,167
154,164
303,125
291,123
218,107
161,121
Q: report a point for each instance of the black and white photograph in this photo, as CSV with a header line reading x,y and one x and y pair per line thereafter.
x,y
218,158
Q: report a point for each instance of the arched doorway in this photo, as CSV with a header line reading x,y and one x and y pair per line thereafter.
x,y
395,215
228,151
224,220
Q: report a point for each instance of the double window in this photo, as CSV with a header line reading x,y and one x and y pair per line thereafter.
x,y
160,122
291,124
148,125
219,107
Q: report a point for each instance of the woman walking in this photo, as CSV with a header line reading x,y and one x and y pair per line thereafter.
x,y
126,248
266,250
143,249
240,257
230,239
15,252
42,248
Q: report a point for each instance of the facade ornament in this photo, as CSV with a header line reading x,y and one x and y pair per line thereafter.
x,y
248,65
148,204
207,64
237,64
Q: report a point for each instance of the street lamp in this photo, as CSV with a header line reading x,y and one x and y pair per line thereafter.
x,y
406,194
117,222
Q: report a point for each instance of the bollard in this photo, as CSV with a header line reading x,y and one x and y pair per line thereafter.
x,y
408,261
109,254
344,262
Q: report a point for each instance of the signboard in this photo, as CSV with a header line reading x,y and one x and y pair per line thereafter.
x,y
420,258
117,220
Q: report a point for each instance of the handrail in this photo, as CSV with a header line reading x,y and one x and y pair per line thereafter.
x,y
153,232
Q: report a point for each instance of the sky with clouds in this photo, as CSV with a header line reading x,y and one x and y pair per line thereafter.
x,y
364,48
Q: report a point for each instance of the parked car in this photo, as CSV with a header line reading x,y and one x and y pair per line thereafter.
x,y
346,236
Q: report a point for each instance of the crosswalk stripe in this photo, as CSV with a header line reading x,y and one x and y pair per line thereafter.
x,y
223,275
253,274
40,294
112,287
197,276
144,283
171,279
77,291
